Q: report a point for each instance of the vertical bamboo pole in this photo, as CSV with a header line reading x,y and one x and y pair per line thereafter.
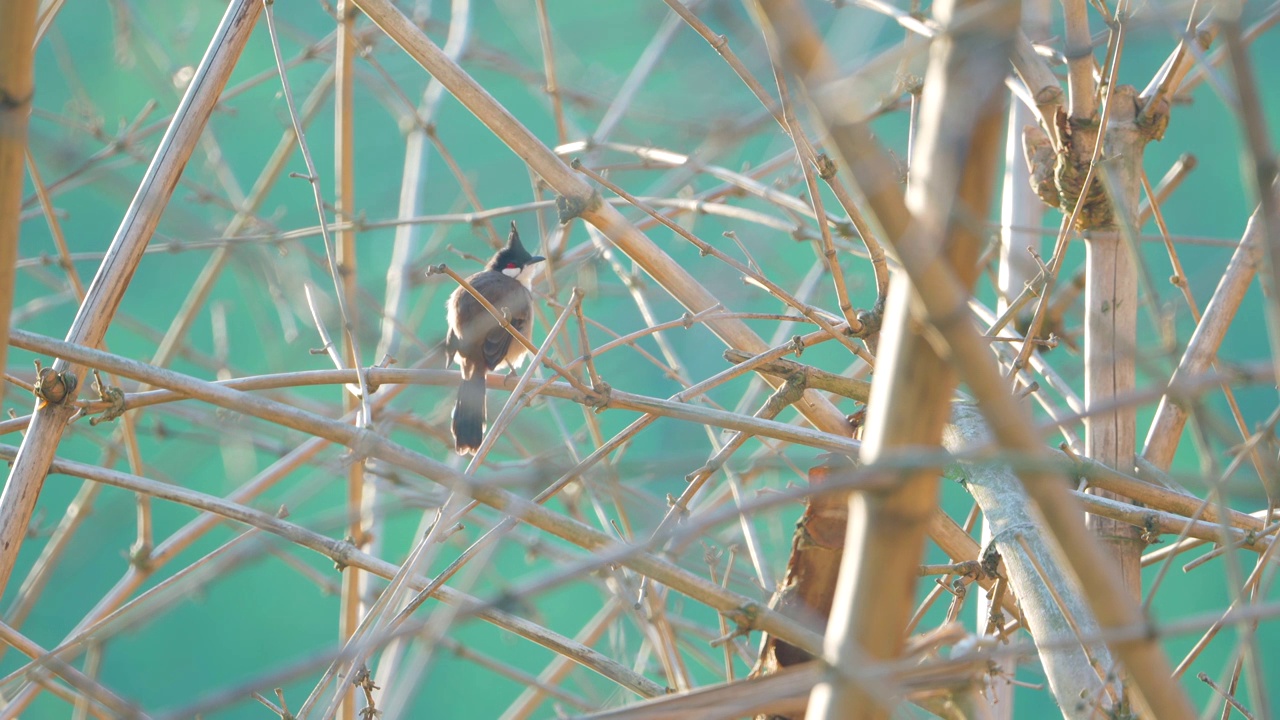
x,y
17,87
1111,284
949,195
344,172
1111,299
108,286
1019,208
1111,328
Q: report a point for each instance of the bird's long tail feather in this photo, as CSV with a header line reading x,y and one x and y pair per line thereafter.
x,y
468,414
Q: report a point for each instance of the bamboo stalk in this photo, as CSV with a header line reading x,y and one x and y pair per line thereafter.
x,y
109,284
951,181
1081,100
1053,606
351,608
945,298
33,585
17,88
1019,207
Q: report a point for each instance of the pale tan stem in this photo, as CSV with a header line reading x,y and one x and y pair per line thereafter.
x,y
549,68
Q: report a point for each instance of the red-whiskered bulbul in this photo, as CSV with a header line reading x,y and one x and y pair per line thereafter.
x,y
478,342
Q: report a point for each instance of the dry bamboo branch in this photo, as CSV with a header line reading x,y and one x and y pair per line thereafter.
x,y
1035,73
755,276
140,553
809,158
345,553
673,408
1171,415
549,67
1154,523
174,337
365,443
109,284
78,680
1261,171
851,388
1226,695
531,697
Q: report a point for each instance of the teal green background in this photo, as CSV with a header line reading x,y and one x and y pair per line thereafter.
x,y
103,62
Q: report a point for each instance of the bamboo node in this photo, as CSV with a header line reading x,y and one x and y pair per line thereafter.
x,y
338,563
601,394
744,618
1150,530
53,387
570,208
797,344
870,321
113,396
10,102
825,165
140,556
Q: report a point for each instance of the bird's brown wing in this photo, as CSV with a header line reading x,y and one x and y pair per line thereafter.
x,y
498,342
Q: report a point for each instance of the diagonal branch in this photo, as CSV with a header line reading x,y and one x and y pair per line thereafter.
x,y
109,284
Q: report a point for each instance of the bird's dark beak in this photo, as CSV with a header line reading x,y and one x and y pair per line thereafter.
x,y
535,260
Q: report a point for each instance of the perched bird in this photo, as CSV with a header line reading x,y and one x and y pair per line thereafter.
x,y
478,342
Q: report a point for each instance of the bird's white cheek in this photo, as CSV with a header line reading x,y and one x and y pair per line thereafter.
x,y
512,272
